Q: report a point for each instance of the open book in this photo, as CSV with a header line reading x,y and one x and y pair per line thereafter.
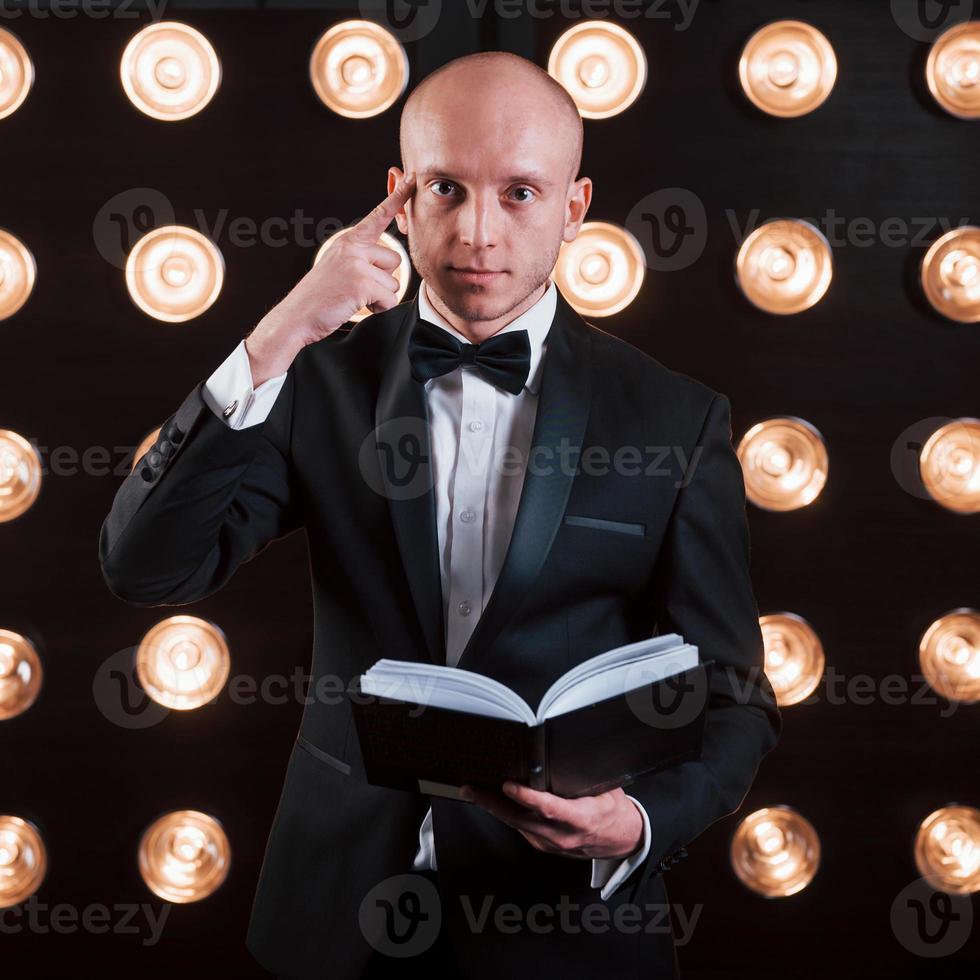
x,y
634,709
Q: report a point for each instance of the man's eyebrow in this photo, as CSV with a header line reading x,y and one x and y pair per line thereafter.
x,y
529,177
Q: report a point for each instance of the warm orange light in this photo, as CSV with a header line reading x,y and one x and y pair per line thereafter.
x,y
403,273
16,73
949,466
20,674
953,70
23,860
183,662
601,271
950,274
787,68
358,69
17,274
601,66
794,656
775,851
184,856
949,656
174,273
947,849
784,463
170,71
784,266
20,475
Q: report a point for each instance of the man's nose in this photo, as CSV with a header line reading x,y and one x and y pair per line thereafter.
x,y
479,220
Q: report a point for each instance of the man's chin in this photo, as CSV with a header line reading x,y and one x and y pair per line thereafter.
x,y
477,302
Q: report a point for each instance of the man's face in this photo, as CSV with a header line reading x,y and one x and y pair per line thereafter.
x,y
492,193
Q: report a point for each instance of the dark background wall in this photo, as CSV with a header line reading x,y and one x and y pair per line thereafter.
x,y
869,564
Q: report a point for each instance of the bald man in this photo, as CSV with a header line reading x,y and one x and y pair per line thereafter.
x,y
425,452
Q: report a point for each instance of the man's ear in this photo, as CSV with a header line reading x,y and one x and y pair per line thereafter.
x,y
578,206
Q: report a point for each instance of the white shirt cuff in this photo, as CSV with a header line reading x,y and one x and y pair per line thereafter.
x,y
230,395
609,873
425,857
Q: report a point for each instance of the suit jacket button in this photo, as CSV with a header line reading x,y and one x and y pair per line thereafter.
x,y
154,458
172,433
167,448
147,473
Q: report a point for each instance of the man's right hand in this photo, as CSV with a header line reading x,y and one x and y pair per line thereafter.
x,y
354,272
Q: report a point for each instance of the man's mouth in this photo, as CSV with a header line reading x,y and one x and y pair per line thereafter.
x,y
475,274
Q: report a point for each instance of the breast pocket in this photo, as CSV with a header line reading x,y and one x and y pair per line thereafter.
x,y
601,524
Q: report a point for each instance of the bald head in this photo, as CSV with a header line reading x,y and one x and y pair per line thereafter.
x,y
496,89
496,144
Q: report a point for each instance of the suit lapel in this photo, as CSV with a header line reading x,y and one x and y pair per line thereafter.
x,y
404,453
402,426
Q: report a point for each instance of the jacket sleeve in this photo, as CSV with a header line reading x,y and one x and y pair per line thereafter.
x,y
202,500
701,589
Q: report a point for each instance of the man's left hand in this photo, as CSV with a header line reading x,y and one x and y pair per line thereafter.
x,y
604,826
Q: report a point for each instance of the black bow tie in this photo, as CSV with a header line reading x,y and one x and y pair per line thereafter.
x,y
503,359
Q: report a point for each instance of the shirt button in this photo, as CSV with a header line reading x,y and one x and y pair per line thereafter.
x,y
476,425
467,515
464,608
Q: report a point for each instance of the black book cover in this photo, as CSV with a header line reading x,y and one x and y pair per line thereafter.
x,y
584,752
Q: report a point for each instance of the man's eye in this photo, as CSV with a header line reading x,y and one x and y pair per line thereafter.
x,y
524,190
441,183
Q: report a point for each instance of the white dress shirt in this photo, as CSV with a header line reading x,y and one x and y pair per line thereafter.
x,y
477,483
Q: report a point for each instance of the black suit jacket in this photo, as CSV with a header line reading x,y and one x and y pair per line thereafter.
x,y
667,550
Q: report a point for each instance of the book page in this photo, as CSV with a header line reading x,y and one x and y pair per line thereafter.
x,y
436,686
617,671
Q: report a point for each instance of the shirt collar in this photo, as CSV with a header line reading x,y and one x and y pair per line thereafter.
x,y
536,321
